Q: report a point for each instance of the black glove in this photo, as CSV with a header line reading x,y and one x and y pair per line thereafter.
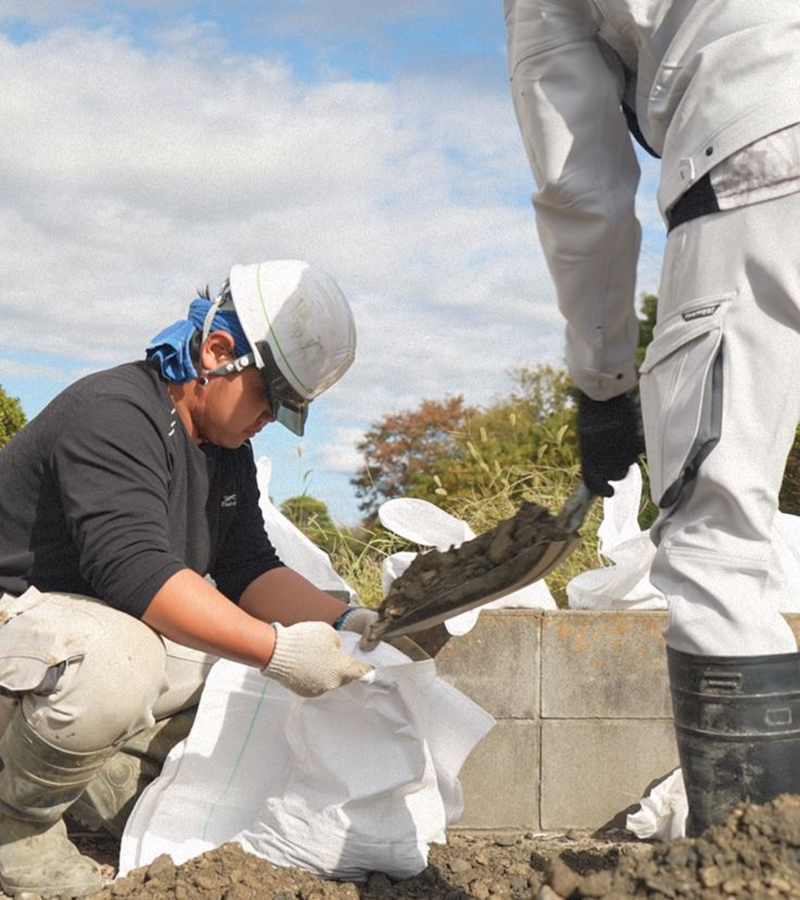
x,y
609,438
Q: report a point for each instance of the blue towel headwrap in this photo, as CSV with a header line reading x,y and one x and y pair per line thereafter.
x,y
171,346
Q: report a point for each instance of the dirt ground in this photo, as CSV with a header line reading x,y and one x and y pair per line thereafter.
x,y
756,854
500,866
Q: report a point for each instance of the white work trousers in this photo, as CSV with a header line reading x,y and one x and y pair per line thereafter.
x,y
89,676
724,360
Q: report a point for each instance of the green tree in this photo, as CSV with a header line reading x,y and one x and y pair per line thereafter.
x,y
543,390
311,516
504,442
443,451
305,510
12,418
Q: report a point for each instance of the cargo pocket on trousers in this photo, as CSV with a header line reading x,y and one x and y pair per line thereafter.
x,y
39,635
681,393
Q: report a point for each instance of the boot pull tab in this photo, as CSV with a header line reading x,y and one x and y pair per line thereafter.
x,y
721,683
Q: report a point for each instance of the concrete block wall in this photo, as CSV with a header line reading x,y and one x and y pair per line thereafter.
x,y
498,665
584,720
606,716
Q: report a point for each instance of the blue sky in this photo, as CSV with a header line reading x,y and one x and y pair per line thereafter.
x,y
149,146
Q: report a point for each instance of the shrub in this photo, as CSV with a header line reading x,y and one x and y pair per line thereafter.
x,y
12,418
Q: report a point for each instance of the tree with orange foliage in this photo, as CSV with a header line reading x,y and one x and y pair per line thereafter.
x,y
404,446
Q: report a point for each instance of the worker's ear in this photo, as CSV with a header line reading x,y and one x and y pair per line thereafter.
x,y
218,349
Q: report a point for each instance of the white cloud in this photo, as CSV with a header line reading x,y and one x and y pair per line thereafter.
x,y
130,177
54,12
364,18
339,454
17,369
134,177
296,15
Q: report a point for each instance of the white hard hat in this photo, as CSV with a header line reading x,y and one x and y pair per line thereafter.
x,y
300,329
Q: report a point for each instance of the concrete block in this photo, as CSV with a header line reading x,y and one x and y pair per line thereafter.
x,y
593,770
497,663
604,664
500,778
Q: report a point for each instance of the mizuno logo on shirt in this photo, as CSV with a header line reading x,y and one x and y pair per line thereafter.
x,y
228,500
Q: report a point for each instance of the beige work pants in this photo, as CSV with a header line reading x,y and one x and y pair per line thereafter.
x,y
724,363
89,676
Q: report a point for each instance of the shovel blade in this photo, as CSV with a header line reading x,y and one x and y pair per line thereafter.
x,y
557,538
516,573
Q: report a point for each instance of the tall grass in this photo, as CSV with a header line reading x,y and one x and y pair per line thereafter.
x,y
358,557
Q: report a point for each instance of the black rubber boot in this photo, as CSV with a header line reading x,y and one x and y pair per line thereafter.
x,y
737,721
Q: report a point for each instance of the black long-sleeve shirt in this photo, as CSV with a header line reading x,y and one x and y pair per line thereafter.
x,y
104,493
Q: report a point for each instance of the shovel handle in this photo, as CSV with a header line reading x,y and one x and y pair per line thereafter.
x,y
574,512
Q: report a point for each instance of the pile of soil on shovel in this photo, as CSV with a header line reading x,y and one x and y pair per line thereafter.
x,y
442,571
756,854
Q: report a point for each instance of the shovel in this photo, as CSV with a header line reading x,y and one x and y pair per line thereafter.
x,y
432,589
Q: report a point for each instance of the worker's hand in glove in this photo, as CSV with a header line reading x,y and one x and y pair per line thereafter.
x,y
308,659
609,438
356,619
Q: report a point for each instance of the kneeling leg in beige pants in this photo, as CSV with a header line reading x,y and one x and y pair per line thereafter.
x,y
79,679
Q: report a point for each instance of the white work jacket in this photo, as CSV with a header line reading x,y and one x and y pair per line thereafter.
x,y
705,78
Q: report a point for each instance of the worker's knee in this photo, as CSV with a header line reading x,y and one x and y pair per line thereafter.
x,y
88,675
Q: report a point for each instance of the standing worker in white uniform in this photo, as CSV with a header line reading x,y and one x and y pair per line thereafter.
x,y
713,89
115,501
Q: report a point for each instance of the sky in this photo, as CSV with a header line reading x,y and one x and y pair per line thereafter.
x,y
148,146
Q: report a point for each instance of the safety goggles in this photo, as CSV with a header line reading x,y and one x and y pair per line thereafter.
x,y
287,406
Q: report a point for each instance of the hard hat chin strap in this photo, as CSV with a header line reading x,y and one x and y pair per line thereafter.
x,y
212,311
236,365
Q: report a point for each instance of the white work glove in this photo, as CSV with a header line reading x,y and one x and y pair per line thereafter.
x,y
308,659
356,619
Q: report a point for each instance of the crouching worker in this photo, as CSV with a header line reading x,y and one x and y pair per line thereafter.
x,y
115,502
